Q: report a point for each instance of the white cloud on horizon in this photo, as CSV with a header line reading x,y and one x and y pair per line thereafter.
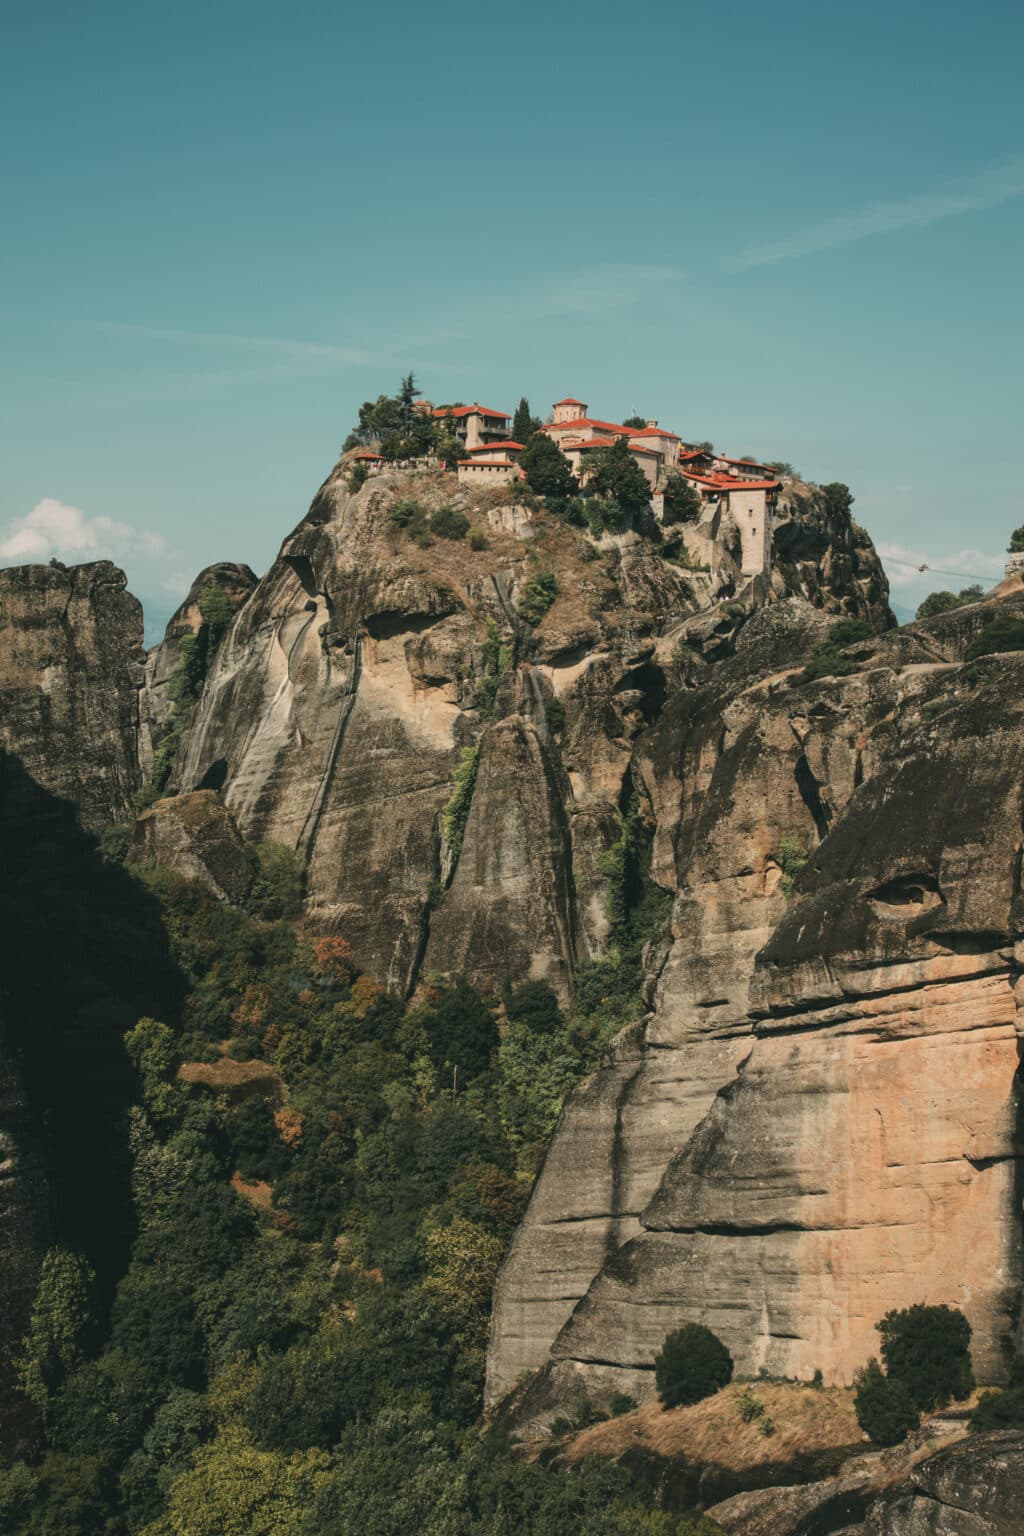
x,y
988,189
55,530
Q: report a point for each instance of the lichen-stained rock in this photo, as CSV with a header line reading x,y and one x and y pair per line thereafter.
x,y
70,670
236,582
195,836
510,908
720,770
826,1115
974,1488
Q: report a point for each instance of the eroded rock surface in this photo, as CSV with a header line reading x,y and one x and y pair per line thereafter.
x,y
818,1120
975,1488
70,670
236,582
195,836
363,667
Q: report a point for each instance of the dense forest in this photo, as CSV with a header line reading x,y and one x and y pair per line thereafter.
x,y
278,1200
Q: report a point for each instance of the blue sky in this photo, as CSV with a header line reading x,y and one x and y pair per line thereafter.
x,y
795,229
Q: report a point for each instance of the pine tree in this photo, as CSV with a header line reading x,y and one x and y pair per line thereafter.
x,y
523,424
407,396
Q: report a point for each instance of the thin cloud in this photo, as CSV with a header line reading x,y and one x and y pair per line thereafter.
x,y
54,530
902,566
591,291
999,184
315,351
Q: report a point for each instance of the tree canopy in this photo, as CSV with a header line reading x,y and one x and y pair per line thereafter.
x,y
524,423
614,477
547,469
945,602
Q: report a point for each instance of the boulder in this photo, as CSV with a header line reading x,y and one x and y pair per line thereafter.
x,y
196,837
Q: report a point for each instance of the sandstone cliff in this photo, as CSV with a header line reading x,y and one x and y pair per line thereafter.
x,y
236,582
818,1119
70,670
365,666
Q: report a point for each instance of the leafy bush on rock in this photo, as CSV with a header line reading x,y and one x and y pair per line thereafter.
x,y
928,1349
884,1406
693,1364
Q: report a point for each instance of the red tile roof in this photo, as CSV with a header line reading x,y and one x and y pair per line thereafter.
x,y
588,421
366,454
654,432
511,463
599,442
469,410
569,400
491,447
746,463
721,482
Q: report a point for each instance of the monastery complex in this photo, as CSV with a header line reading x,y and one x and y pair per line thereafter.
x,y
741,487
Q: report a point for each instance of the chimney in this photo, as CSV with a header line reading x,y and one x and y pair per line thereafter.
x,y
652,424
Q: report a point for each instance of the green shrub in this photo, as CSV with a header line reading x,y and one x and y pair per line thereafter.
x,y
1002,1410
827,660
884,1406
749,1406
114,842
928,1349
554,711
791,859
277,890
62,1324
217,612
620,1403
1001,633
456,813
541,591
462,1031
357,477
408,517
535,1005
585,1413
477,539
448,523
498,658
692,1364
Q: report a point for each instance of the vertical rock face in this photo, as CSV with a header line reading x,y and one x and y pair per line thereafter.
x,y
364,665
236,582
194,835
70,671
816,1121
828,1121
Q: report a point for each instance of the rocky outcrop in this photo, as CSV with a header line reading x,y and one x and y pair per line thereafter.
x,y
70,670
975,1488
818,1119
822,554
972,1487
236,582
364,667
194,835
